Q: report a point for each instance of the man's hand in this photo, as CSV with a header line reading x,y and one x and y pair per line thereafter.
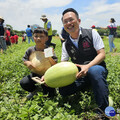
x,y
83,72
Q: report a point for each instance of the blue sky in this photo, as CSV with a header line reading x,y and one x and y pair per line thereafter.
x,y
20,13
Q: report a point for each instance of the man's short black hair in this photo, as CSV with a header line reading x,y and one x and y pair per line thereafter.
x,y
71,10
28,25
41,30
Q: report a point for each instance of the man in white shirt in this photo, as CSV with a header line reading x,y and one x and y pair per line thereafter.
x,y
86,49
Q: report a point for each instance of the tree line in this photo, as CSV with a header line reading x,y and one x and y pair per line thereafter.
x,y
102,32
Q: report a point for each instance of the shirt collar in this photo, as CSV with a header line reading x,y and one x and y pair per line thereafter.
x,y
76,40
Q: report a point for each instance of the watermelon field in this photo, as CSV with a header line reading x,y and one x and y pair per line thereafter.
x,y
13,103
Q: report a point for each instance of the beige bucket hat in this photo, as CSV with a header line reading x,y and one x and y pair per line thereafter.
x,y
1,17
43,17
40,62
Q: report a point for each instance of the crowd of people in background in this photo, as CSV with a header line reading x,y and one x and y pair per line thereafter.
x,y
7,38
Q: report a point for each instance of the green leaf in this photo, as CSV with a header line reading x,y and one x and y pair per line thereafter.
x,y
3,109
9,116
47,118
35,117
50,108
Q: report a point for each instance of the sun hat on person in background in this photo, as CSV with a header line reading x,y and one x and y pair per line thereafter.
x,y
43,17
1,18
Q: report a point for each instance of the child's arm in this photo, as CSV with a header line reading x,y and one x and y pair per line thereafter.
x,y
29,65
52,61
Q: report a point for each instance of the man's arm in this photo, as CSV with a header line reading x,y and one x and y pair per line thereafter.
x,y
48,26
104,28
97,60
99,47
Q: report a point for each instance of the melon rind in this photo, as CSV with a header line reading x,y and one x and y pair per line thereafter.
x,y
61,74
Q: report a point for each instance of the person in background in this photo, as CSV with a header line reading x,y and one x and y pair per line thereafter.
x,y
8,43
63,35
86,49
24,37
2,35
29,34
40,36
48,27
12,39
112,27
93,27
16,38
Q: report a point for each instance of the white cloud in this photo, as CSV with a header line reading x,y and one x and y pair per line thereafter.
x,y
49,3
56,22
100,12
20,13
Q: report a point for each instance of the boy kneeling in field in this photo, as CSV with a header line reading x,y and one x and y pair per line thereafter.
x,y
40,36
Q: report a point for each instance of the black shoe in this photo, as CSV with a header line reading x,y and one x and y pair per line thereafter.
x,y
52,93
31,94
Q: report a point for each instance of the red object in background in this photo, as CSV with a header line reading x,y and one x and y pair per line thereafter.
x,y
93,26
16,38
12,39
7,35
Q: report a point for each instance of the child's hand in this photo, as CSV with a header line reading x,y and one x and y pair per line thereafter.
x,y
29,65
43,81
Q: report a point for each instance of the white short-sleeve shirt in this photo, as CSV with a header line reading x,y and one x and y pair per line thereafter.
x,y
97,43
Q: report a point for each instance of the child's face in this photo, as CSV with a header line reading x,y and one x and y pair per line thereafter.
x,y
40,38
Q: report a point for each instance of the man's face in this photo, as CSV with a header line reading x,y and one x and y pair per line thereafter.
x,y
110,21
44,20
71,22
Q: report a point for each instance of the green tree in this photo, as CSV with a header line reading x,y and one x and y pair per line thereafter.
x,y
9,26
103,32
